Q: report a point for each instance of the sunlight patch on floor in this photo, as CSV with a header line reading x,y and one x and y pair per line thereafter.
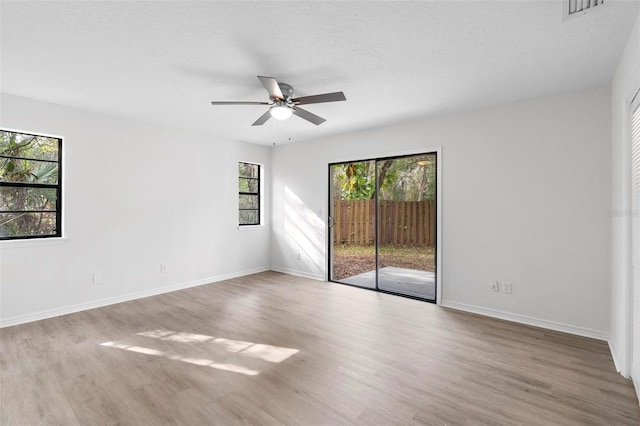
x,y
175,336
196,361
269,353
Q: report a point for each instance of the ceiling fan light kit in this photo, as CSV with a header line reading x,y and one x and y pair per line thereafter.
x,y
281,112
283,105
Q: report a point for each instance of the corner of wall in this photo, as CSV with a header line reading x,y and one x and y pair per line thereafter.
x,y
626,80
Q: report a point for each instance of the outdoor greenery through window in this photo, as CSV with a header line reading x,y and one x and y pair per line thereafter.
x,y
30,188
249,194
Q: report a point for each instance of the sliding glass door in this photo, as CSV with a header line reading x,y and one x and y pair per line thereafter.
x,y
353,220
406,226
383,217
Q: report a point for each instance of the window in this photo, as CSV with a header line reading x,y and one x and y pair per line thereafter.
x,y
573,8
249,194
30,186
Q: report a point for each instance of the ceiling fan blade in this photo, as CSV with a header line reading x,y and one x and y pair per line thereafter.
x,y
310,117
263,119
238,103
272,87
318,99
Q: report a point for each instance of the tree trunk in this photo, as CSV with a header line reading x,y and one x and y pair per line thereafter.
x,y
382,174
423,183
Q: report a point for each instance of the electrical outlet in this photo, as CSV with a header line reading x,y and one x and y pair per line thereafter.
x,y
506,287
494,286
97,278
298,256
163,268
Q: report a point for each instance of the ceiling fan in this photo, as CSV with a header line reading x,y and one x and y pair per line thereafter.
x,y
283,104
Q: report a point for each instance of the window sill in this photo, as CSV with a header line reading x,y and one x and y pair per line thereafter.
x,y
249,227
33,242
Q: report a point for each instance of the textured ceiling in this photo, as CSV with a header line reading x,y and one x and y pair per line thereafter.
x,y
162,62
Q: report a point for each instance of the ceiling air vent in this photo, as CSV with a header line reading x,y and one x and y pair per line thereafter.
x,y
573,8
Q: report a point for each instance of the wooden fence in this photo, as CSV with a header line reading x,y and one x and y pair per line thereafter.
x,y
402,223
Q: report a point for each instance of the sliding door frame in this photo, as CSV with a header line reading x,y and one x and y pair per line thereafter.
x,y
438,222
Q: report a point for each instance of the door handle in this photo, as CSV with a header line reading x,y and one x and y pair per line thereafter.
x,y
330,221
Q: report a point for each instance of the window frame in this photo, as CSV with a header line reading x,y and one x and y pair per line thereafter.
x,y
258,193
57,186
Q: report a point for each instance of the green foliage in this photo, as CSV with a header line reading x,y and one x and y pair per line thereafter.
x,y
410,179
249,199
27,152
21,161
248,170
355,181
403,179
248,185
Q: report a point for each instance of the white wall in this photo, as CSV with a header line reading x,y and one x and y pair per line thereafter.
x,y
135,196
625,83
526,188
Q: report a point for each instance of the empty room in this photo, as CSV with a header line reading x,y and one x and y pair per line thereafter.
x,y
320,213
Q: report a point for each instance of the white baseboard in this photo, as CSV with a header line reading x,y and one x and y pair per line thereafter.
x,y
303,274
50,313
615,355
619,360
625,372
524,319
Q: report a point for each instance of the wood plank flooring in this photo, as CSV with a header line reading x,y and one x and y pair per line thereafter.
x,y
276,349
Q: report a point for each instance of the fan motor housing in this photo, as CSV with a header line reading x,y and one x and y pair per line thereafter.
x,y
286,89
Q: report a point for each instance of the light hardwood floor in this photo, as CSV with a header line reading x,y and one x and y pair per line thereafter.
x,y
275,349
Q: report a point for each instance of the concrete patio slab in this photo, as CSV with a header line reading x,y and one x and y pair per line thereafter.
x,y
398,280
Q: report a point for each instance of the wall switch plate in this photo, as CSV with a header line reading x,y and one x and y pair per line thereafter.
x,y
97,278
506,287
494,286
163,268
298,256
